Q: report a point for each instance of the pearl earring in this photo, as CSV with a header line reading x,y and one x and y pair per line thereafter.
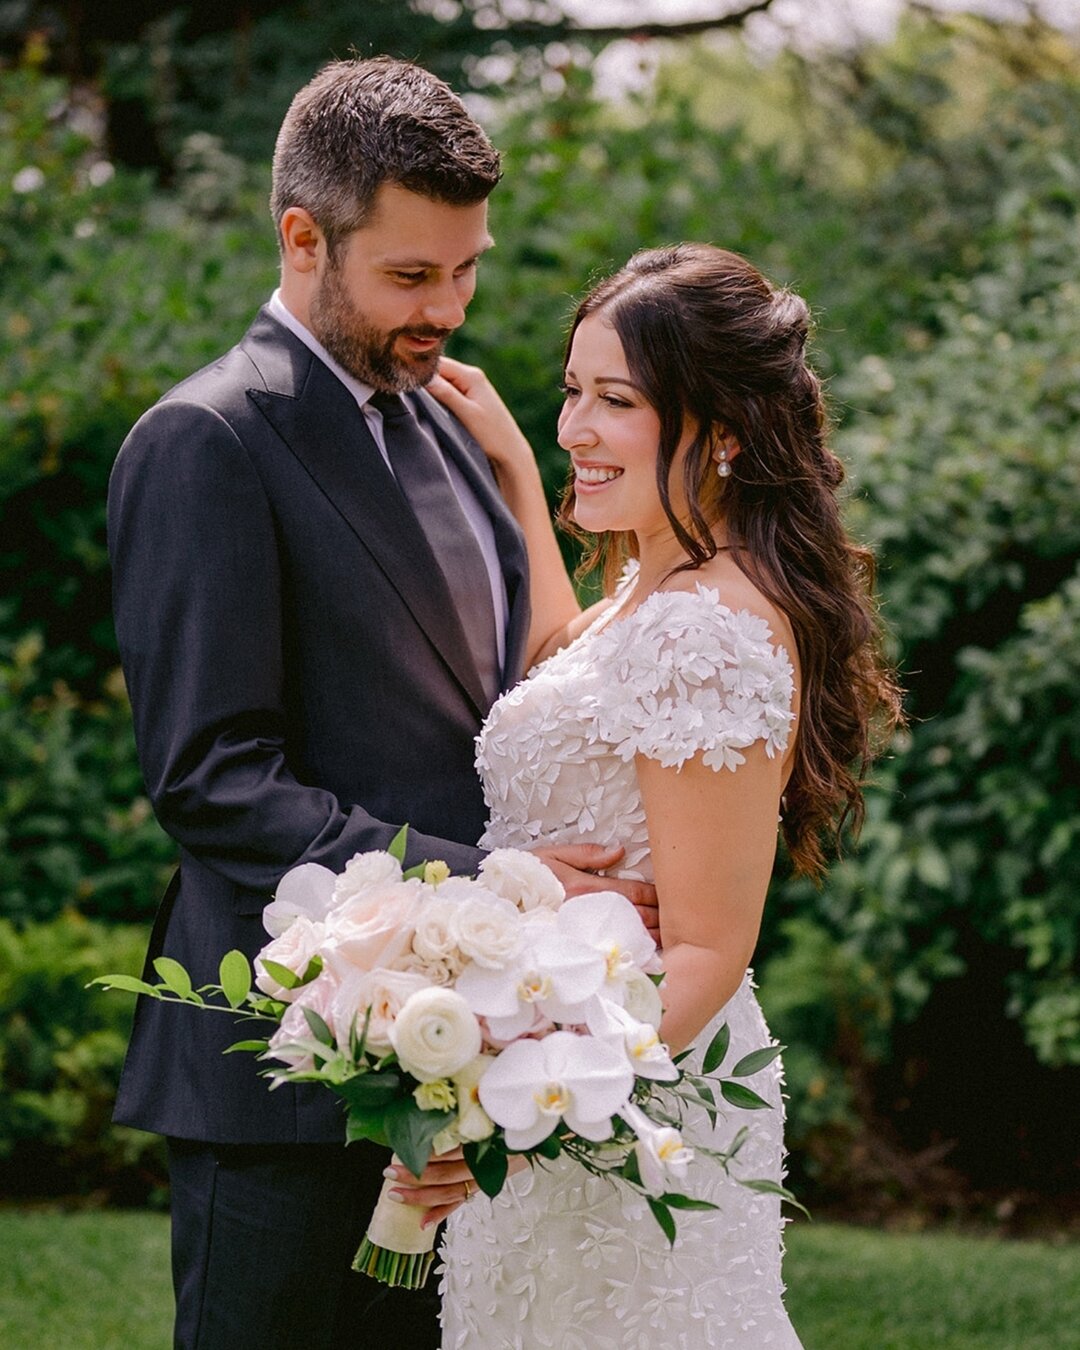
x,y
723,468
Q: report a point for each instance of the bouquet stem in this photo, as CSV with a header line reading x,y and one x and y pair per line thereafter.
x,y
396,1250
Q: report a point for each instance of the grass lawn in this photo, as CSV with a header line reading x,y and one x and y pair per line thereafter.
x,y
100,1281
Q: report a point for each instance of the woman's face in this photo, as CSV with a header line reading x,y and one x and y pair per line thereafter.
x,y
612,435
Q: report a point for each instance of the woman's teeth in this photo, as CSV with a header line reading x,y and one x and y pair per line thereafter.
x,y
597,475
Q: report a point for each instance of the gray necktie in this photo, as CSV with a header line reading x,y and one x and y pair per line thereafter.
x,y
421,473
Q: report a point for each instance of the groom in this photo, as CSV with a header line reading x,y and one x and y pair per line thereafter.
x,y
318,593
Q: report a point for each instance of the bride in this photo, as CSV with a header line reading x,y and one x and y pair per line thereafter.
x,y
732,676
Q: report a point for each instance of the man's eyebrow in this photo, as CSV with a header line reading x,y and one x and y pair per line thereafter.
x,y
429,264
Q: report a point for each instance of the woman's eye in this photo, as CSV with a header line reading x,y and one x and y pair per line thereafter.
x,y
614,402
568,391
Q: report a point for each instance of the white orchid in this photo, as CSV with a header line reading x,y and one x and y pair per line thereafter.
x,y
308,890
609,924
533,1085
661,1152
556,977
646,1052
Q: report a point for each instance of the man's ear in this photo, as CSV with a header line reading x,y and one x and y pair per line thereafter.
x,y
301,239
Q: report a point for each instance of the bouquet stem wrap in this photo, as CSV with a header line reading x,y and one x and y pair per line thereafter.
x,y
396,1250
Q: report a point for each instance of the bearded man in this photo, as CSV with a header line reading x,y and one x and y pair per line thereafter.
x,y
318,594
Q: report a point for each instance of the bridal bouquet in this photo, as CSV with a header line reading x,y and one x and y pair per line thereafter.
x,y
491,1013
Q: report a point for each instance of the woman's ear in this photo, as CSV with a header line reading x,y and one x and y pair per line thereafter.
x,y
725,447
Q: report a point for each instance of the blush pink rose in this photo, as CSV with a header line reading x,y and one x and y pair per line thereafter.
x,y
374,929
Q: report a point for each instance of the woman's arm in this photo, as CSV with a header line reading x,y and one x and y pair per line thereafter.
x,y
469,395
713,834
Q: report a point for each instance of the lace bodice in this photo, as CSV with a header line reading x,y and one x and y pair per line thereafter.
x,y
561,1259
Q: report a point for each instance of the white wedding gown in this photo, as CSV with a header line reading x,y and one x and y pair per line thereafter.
x,y
563,1259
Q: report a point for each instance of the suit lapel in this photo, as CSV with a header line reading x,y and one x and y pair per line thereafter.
x,y
318,419
471,460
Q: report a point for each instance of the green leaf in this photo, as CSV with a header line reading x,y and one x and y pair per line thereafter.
x,y
129,983
631,1170
174,976
288,979
756,1061
410,1131
743,1097
676,1201
766,1187
319,1029
718,1048
704,1090
244,1045
396,846
414,873
271,1008
360,1126
678,1059
370,1091
550,1147
235,976
489,1166
313,970
662,1215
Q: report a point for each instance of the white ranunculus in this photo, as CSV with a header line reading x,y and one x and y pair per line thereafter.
x,y
307,889
487,929
364,870
533,1085
294,950
435,1034
385,992
523,879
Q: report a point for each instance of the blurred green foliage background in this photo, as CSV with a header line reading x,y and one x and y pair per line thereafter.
x,y
925,196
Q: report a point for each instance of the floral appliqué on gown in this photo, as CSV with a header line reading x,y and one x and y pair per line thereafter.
x,y
563,1259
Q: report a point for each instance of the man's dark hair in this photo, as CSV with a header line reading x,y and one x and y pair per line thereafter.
x,y
360,124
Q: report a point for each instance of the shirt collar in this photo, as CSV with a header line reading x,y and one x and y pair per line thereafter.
x,y
277,307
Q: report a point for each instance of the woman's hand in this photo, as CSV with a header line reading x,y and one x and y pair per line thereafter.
x,y
468,393
443,1186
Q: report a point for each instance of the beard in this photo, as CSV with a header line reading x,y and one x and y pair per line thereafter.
x,y
365,351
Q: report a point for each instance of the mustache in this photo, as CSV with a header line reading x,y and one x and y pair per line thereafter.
x,y
423,331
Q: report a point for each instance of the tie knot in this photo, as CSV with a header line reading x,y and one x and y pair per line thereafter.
x,y
390,405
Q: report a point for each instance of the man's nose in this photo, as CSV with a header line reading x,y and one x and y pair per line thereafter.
x,y
445,308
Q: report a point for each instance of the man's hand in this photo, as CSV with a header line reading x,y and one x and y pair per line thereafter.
x,y
577,865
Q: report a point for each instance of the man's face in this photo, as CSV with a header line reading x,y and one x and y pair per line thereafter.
x,y
396,289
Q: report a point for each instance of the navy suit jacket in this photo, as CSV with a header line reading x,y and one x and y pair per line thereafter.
x,y
300,684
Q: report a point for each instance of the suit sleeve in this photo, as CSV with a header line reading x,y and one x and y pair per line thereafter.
x,y
197,604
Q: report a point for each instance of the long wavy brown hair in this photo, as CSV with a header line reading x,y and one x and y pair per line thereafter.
x,y
714,345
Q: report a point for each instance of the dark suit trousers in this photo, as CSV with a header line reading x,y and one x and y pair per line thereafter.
x,y
263,1239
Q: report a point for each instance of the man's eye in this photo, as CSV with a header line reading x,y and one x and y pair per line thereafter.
x,y
410,277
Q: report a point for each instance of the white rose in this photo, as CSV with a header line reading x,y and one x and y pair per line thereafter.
x,y
364,870
385,992
433,938
294,950
435,1034
375,928
642,998
522,878
487,929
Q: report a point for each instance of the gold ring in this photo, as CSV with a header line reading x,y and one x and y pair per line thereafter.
x,y
467,1183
